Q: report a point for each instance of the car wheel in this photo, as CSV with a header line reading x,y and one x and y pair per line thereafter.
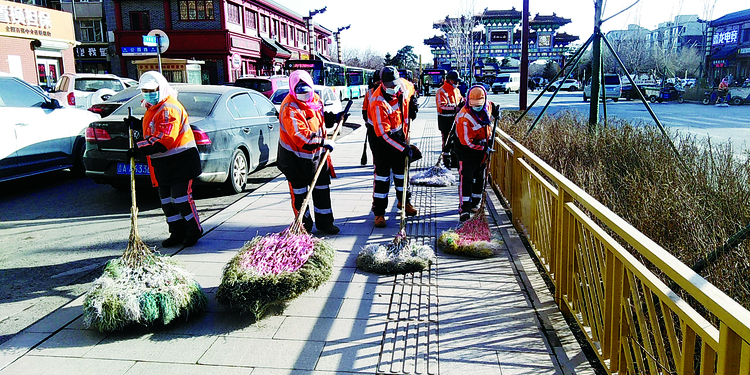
x,y
736,100
571,88
680,100
615,99
652,99
706,101
78,149
237,178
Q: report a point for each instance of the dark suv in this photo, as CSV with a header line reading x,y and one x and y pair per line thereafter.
x,y
265,85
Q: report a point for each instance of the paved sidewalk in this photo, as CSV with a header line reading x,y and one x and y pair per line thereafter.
x,y
463,316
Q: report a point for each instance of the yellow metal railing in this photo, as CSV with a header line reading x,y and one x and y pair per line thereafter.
x,y
633,320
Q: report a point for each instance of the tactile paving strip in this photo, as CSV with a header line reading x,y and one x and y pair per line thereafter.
x,y
410,340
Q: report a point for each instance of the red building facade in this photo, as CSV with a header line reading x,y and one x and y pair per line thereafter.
x,y
233,38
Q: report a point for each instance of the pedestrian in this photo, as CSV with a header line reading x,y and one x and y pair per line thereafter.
x,y
173,158
388,112
302,143
473,133
448,99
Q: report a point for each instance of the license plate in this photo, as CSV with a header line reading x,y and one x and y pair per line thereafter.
x,y
140,169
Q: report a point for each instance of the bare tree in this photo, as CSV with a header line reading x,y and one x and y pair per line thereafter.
x,y
366,58
460,37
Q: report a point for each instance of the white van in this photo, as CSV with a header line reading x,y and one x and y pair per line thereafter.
x,y
507,82
611,83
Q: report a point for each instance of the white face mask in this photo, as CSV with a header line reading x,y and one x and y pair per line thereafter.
x,y
305,97
392,91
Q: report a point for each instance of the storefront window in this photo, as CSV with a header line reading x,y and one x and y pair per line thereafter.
x,y
140,21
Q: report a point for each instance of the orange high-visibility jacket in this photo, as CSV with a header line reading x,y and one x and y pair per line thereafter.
x,y
469,132
388,117
166,123
301,126
447,98
366,102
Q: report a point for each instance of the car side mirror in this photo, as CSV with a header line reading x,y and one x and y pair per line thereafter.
x,y
328,102
52,104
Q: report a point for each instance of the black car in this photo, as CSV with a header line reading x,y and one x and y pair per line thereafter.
x,y
236,131
115,101
629,93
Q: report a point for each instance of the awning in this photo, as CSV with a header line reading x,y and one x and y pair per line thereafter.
x,y
724,52
273,49
321,57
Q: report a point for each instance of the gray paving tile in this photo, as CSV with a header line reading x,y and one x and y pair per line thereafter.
x,y
492,336
19,345
40,365
69,343
313,306
520,363
329,329
376,308
474,362
151,368
280,354
350,356
158,347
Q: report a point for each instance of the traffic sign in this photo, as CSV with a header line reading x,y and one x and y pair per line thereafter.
x,y
236,60
138,51
150,41
164,38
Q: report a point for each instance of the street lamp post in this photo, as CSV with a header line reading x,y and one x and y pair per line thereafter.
x,y
311,29
338,40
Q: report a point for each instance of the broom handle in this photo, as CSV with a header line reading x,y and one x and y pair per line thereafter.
x,y
134,207
489,159
402,225
442,150
323,161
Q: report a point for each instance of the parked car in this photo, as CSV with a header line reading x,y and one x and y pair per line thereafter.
x,y
37,134
264,85
115,101
740,95
569,84
331,102
611,84
129,82
236,131
83,90
629,93
507,82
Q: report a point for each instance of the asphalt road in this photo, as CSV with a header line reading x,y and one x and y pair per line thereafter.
x,y
720,124
58,230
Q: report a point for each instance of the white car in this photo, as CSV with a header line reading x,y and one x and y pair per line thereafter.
x,y
37,134
569,84
331,102
82,90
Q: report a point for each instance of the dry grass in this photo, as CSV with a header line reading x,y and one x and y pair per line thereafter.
x,y
631,169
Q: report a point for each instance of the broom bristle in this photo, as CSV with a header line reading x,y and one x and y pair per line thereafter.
x,y
400,256
437,175
472,238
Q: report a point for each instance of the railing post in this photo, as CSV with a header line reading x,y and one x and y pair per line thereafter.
x,y
612,310
729,352
563,235
515,188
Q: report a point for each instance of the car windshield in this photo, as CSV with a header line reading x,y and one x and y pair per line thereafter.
x,y
502,79
197,104
94,84
279,96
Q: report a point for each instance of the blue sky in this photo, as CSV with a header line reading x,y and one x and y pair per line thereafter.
x,y
388,25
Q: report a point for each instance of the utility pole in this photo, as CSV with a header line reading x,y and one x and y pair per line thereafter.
x,y
595,66
524,57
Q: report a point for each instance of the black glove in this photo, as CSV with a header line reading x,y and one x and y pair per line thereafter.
x,y
416,154
413,108
495,110
132,152
408,152
330,119
134,123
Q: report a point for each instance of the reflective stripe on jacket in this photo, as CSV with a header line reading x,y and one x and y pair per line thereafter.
x,y
469,132
300,127
387,116
366,103
447,98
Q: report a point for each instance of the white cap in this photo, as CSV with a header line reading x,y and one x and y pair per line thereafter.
x,y
148,82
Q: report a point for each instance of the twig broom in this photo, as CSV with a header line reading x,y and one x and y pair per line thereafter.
x,y
140,287
276,268
402,255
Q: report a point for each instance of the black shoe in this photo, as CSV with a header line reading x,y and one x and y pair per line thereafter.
x,y
308,224
192,239
173,240
464,216
329,228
